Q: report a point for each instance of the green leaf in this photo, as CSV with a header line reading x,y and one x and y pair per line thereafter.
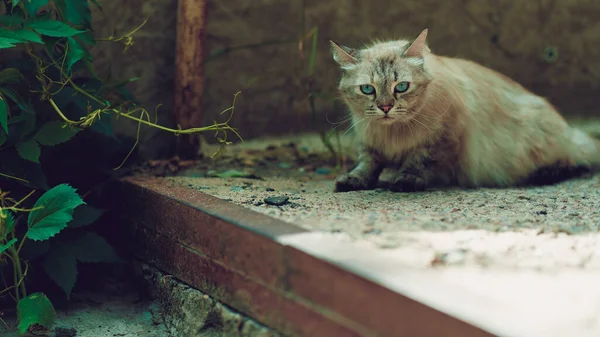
x,y
35,309
9,222
87,38
92,248
9,36
27,35
10,75
20,36
56,210
7,245
76,12
5,44
15,3
54,133
33,6
29,150
11,20
12,164
85,215
53,28
3,115
61,266
75,52
15,97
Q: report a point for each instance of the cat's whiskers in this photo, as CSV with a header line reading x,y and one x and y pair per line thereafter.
x,y
410,128
354,124
423,124
344,120
367,126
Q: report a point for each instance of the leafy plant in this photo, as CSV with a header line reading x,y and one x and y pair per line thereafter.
x,y
51,95
50,215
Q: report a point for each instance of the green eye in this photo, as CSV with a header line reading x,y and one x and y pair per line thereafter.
x,y
402,87
367,89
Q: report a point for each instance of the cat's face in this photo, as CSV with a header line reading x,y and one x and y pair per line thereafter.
x,y
383,83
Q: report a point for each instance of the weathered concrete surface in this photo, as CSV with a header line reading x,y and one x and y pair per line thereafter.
x,y
151,59
548,45
188,312
510,36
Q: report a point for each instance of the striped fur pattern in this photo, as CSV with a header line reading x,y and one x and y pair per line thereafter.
x,y
459,123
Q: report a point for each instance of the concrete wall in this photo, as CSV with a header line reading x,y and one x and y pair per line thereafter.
x,y
151,59
550,46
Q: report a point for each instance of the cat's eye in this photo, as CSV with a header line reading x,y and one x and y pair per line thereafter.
x,y
402,87
367,89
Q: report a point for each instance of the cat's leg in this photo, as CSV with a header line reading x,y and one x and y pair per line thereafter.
x,y
412,175
409,180
363,177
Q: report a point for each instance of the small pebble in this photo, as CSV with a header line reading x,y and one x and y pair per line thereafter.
x,y
277,201
236,188
454,257
542,212
372,231
270,189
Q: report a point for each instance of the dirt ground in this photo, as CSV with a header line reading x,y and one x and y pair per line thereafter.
x,y
99,315
535,246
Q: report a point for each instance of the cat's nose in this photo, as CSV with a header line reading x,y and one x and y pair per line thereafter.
x,y
385,108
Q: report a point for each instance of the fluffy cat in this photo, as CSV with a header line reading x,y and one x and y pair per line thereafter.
x,y
446,121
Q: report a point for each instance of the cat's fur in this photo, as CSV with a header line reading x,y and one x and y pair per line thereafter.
x,y
459,123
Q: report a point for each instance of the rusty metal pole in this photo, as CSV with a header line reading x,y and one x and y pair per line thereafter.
x,y
189,73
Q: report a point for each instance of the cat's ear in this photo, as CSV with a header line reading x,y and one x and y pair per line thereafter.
x,y
419,46
344,56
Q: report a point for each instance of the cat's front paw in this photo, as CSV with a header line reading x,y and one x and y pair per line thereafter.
x,y
349,182
408,183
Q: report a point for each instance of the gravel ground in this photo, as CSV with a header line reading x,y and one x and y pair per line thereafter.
x,y
535,250
543,228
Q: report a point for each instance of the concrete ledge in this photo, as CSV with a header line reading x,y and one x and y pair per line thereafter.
x,y
287,279
190,312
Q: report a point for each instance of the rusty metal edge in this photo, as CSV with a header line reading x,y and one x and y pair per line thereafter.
x,y
418,318
226,211
248,296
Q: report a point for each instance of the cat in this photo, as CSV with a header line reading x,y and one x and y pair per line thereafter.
x,y
440,121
